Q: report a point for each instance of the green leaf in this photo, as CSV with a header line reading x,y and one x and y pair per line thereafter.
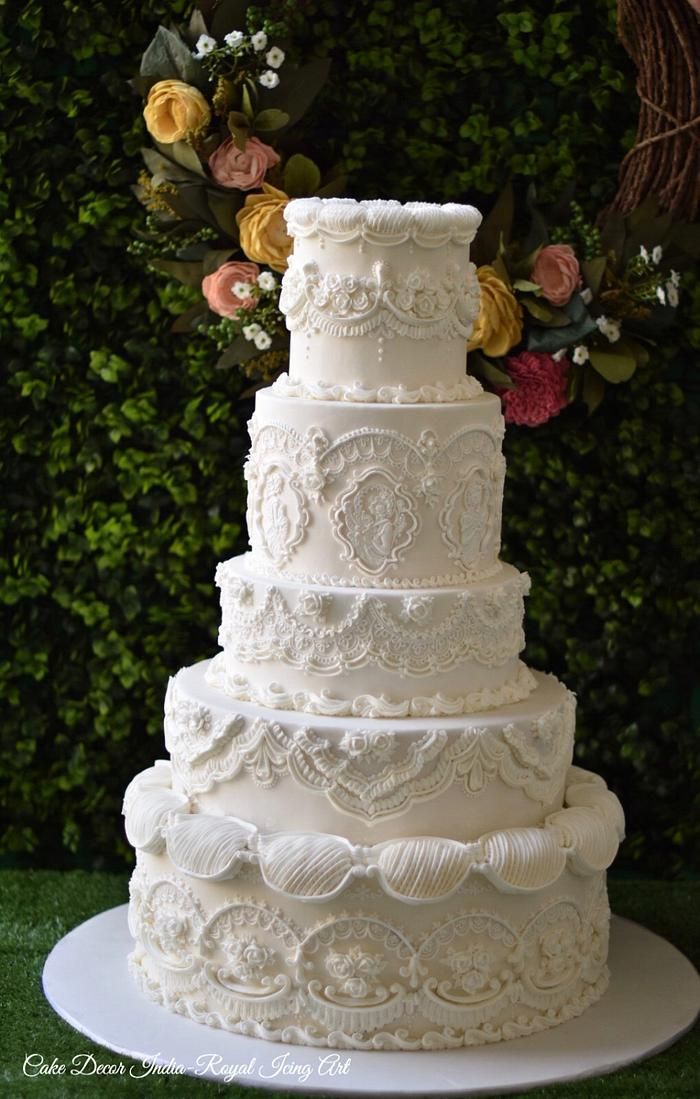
x,y
593,389
334,187
526,286
214,259
224,208
184,155
239,128
557,338
271,119
160,162
501,270
487,369
197,25
188,273
191,318
301,176
574,381
496,226
240,351
614,366
168,58
298,88
248,96
593,271
545,313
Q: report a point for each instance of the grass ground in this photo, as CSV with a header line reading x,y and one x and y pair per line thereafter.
x,y
39,907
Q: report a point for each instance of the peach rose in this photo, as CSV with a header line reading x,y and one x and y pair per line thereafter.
x,y
242,168
557,271
218,288
263,230
175,109
499,325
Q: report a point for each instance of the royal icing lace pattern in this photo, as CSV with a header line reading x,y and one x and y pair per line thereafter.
x,y
370,774
357,393
320,866
357,980
344,221
385,475
275,696
419,305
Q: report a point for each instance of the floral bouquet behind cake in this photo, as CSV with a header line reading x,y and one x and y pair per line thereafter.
x,y
565,308
220,104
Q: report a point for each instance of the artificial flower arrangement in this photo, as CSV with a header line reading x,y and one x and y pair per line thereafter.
x,y
569,306
565,308
220,102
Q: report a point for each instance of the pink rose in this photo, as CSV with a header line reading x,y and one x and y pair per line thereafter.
x,y
242,168
540,388
218,287
557,271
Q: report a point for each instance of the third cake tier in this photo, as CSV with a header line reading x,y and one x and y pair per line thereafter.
x,y
370,780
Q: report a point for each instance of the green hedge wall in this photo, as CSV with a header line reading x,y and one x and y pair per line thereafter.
x,y
122,463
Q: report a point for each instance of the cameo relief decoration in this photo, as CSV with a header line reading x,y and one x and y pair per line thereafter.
x,y
375,520
379,477
283,479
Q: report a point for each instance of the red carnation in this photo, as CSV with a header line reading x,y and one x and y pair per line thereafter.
x,y
540,388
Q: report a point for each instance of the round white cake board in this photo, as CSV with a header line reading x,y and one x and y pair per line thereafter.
x,y
654,998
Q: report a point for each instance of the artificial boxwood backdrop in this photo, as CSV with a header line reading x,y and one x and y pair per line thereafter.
x,y
123,446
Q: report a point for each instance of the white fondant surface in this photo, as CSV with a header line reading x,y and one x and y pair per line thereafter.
x,y
646,1008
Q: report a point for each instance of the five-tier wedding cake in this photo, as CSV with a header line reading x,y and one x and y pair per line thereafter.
x,y
369,834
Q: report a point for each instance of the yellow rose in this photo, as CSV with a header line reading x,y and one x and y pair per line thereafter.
x,y
264,235
499,325
173,110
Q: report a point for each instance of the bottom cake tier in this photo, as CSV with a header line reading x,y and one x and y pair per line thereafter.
x,y
414,944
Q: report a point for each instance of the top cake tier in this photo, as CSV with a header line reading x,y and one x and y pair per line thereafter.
x,y
380,294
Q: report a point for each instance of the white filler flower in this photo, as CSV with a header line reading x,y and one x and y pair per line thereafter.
x,y
259,41
234,38
269,79
242,290
250,331
266,280
262,341
580,355
205,44
609,328
275,57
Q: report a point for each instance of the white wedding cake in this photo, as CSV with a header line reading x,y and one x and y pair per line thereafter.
x,y
369,834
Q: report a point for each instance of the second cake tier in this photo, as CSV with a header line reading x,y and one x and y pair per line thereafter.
x,y
374,494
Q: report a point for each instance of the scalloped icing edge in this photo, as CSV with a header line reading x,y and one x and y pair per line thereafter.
x,y
380,221
356,393
584,836
323,704
445,1038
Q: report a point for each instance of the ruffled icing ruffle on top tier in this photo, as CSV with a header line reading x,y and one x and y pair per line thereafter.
x,y
382,222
